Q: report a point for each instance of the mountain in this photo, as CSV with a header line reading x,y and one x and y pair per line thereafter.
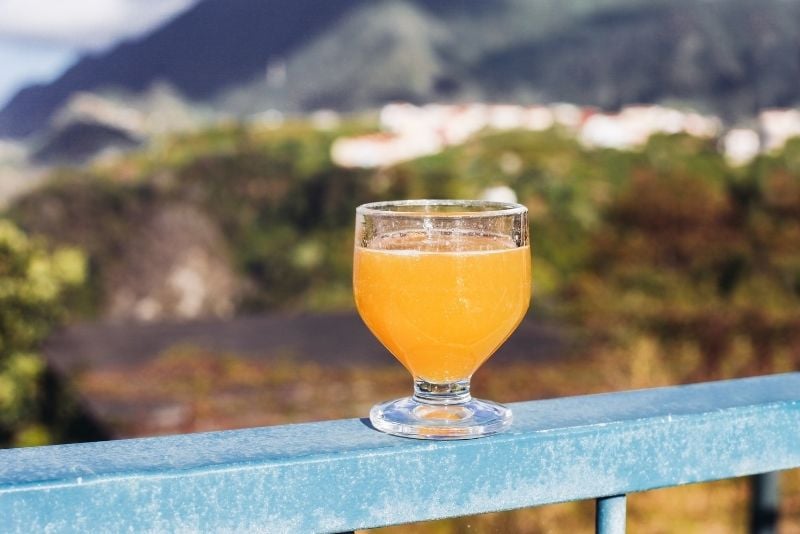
x,y
217,44
732,57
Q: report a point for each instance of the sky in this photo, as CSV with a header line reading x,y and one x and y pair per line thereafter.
x,y
39,39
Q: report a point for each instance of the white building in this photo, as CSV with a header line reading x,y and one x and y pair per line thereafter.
x,y
740,146
633,126
413,131
381,149
778,126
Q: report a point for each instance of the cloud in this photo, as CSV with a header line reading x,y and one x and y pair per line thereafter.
x,y
83,24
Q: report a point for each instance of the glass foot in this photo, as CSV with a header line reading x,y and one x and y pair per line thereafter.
x,y
408,417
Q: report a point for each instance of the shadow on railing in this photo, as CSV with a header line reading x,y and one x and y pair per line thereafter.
x,y
341,475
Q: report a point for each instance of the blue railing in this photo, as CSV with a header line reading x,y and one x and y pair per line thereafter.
x,y
341,475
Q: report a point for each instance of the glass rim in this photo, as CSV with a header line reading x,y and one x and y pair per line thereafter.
x,y
494,208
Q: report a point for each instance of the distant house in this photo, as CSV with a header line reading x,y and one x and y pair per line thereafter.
x,y
411,131
778,126
740,146
382,149
634,125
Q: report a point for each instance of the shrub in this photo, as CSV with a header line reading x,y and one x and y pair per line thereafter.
x,y
33,281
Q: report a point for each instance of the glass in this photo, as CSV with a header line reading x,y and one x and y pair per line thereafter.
x,y
441,284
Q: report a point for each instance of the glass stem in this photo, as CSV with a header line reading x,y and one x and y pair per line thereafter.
x,y
442,394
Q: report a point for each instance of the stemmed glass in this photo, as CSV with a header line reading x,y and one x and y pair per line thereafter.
x,y
441,284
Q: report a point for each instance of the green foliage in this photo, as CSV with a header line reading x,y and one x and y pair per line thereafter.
x,y
666,242
691,251
32,282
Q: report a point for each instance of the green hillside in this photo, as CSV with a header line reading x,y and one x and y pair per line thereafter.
x,y
667,242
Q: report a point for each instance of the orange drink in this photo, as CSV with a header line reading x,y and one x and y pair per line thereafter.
x,y
441,284
444,307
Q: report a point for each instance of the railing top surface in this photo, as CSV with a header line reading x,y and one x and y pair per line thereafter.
x,y
339,475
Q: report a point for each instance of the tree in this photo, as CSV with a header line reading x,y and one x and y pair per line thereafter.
x,y
33,282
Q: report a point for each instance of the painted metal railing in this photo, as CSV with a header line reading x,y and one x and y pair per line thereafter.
x,y
341,475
